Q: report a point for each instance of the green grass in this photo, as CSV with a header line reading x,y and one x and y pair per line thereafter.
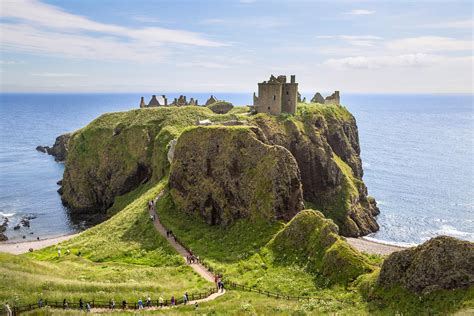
x,y
397,300
127,237
241,252
123,257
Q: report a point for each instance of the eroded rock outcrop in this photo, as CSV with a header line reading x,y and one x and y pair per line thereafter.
x,y
324,141
312,241
226,173
60,148
440,263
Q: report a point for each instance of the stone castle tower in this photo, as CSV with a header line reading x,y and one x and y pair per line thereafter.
x,y
276,96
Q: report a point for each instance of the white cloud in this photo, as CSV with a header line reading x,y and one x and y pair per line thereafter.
x,y
360,12
57,74
259,22
392,61
424,44
460,24
45,29
10,62
356,40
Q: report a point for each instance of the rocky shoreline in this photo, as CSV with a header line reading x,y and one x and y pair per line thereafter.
x,y
60,148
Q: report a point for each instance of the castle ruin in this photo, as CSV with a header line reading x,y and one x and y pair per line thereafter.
x,y
276,96
332,99
163,101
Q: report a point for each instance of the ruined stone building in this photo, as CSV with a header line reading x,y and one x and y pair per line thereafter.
x,y
154,101
276,96
163,101
181,101
211,100
332,99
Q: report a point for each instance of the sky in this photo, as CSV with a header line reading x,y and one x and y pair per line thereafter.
x,y
230,45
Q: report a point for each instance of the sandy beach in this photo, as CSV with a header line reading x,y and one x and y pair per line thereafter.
x,y
373,247
24,246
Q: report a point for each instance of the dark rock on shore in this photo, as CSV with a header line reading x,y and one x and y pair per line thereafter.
x,y
226,173
43,149
60,148
3,228
440,263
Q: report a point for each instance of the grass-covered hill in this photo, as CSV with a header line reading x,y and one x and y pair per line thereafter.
x,y
117,152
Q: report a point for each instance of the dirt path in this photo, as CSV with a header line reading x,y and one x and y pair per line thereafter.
x,y
373,247
24,246
199,268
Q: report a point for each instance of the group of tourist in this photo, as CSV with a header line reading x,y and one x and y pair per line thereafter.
x,y
140,304
190,258
219,282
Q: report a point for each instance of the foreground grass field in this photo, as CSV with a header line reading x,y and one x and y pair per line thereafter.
x,y
124,258
121,258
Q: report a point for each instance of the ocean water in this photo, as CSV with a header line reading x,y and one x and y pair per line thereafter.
x,y
417,152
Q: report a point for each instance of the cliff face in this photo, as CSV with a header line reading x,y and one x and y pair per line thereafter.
x,y
119,151
324,141
226,173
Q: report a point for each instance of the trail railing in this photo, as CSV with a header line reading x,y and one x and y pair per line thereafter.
x,y
74,305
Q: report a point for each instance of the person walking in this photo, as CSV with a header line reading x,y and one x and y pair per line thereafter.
x,y
173,301
40,303
112,304
64,304
196,305
88,307
148,301
81,304
8,310
59,252
161,301
140,304
124,304
185,299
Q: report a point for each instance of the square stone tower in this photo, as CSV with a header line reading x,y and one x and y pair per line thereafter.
x,y
277,96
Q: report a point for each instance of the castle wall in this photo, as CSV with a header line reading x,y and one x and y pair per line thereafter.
x,y
269,98
289,98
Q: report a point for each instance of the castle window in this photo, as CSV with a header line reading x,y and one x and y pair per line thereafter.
x,y
286,92
268,108
274,97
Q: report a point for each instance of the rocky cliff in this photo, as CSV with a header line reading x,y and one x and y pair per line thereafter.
x,y
324,141
119,151
226,173
440,263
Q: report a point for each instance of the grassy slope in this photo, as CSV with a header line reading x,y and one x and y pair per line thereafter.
x,y
239,253
123,258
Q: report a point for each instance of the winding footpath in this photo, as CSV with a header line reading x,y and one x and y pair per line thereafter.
x,y
199,268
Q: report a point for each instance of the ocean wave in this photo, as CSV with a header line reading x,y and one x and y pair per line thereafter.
x,y
452,231
391,243
7,214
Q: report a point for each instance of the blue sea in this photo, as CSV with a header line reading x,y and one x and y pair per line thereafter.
x,y
417,152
